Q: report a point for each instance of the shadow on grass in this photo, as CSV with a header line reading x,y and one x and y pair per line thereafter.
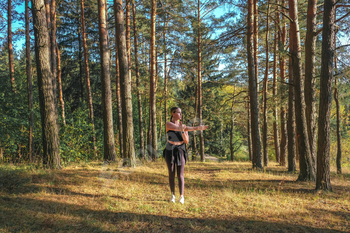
x,y
27,214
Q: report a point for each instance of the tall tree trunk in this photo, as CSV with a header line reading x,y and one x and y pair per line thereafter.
x,y
48,109
80,59
139,103
232,125
323,179
307,171
199,47
291,122
266,158
339,170
53,44
165,77
256,45
29,86
195,151
125,81
275,110
153,111
48,22
250,149
60,93
9,34
310,89
108,132
254,105
87,76
127,29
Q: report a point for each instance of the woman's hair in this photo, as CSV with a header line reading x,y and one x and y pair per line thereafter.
x,y
173,109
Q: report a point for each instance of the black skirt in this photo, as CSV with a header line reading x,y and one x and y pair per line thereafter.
x,y
175,153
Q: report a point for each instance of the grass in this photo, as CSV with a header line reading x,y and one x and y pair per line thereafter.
x,y
219,197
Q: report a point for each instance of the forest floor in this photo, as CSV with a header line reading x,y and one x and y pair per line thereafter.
x,y
219,197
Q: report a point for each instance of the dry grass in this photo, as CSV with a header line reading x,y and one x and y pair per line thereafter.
x,y
219,197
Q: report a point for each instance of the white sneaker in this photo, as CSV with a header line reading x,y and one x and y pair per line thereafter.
x,y
172,198
182,200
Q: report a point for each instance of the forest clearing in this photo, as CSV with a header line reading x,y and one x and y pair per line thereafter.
x,y
220,197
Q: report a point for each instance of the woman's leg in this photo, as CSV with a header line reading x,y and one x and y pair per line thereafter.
x,y
180,175
171,171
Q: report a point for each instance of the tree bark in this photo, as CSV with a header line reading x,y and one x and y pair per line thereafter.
x,y
125,81
339,152
232,126
138,86
291,122
127,29
256,45
9,34
87,76
53,44
250,149
266,158
108,132
29,86
275,110
48,109
60,93
307,171
323,180
254,105
310,89
153,111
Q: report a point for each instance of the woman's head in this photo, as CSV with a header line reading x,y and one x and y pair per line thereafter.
x,y
175,113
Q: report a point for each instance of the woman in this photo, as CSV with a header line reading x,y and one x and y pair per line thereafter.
x,y
175,150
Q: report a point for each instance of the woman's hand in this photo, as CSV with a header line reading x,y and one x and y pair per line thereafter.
x,y
202,127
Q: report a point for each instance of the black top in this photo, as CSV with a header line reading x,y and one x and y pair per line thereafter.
x,y
174,136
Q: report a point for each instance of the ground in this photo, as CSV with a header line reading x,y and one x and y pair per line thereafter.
x,y
219,197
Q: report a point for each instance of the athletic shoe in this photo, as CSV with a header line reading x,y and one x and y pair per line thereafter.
x,y
172,198
182,200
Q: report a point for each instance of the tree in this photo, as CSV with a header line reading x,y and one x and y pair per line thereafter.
x,y
254,105
307,171
125,81
324,142
108,142
291,121
336,99
48,109
10,49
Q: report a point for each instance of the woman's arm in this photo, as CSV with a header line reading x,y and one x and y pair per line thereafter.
x,y
182,127
199,127
185,136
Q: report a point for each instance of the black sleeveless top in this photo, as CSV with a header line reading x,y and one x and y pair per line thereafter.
x,y
174,136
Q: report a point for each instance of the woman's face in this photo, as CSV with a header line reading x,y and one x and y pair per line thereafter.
x,y
177,114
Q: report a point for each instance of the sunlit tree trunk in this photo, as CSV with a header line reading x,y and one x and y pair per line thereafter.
x,y
323,179
291,122
48,109
232,125
125,82
336,99
10,49
256,45
153,111
250,149
48,21
275,109
127,29
310,89
59,80
254,105
87,76
29,86
307,171
108,132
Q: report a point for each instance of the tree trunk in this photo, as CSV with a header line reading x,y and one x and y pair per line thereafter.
x,y
48,22
108,132
323,180
139,103
53,44
339,170
127,30
232,125
80,59
275,110
254,105
250,149
266,158
87,77
291,122
125,81
310,89
60,93
9,27
48,109
307,171
29,86
256,45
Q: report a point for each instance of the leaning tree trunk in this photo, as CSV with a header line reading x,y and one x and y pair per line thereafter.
x,y
87,76
29,86
48,109
254,105
152,89
139,103
275,110
9,36
108,132
336,99
291,122
266,158
323,180
125,81
307,171
310,89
